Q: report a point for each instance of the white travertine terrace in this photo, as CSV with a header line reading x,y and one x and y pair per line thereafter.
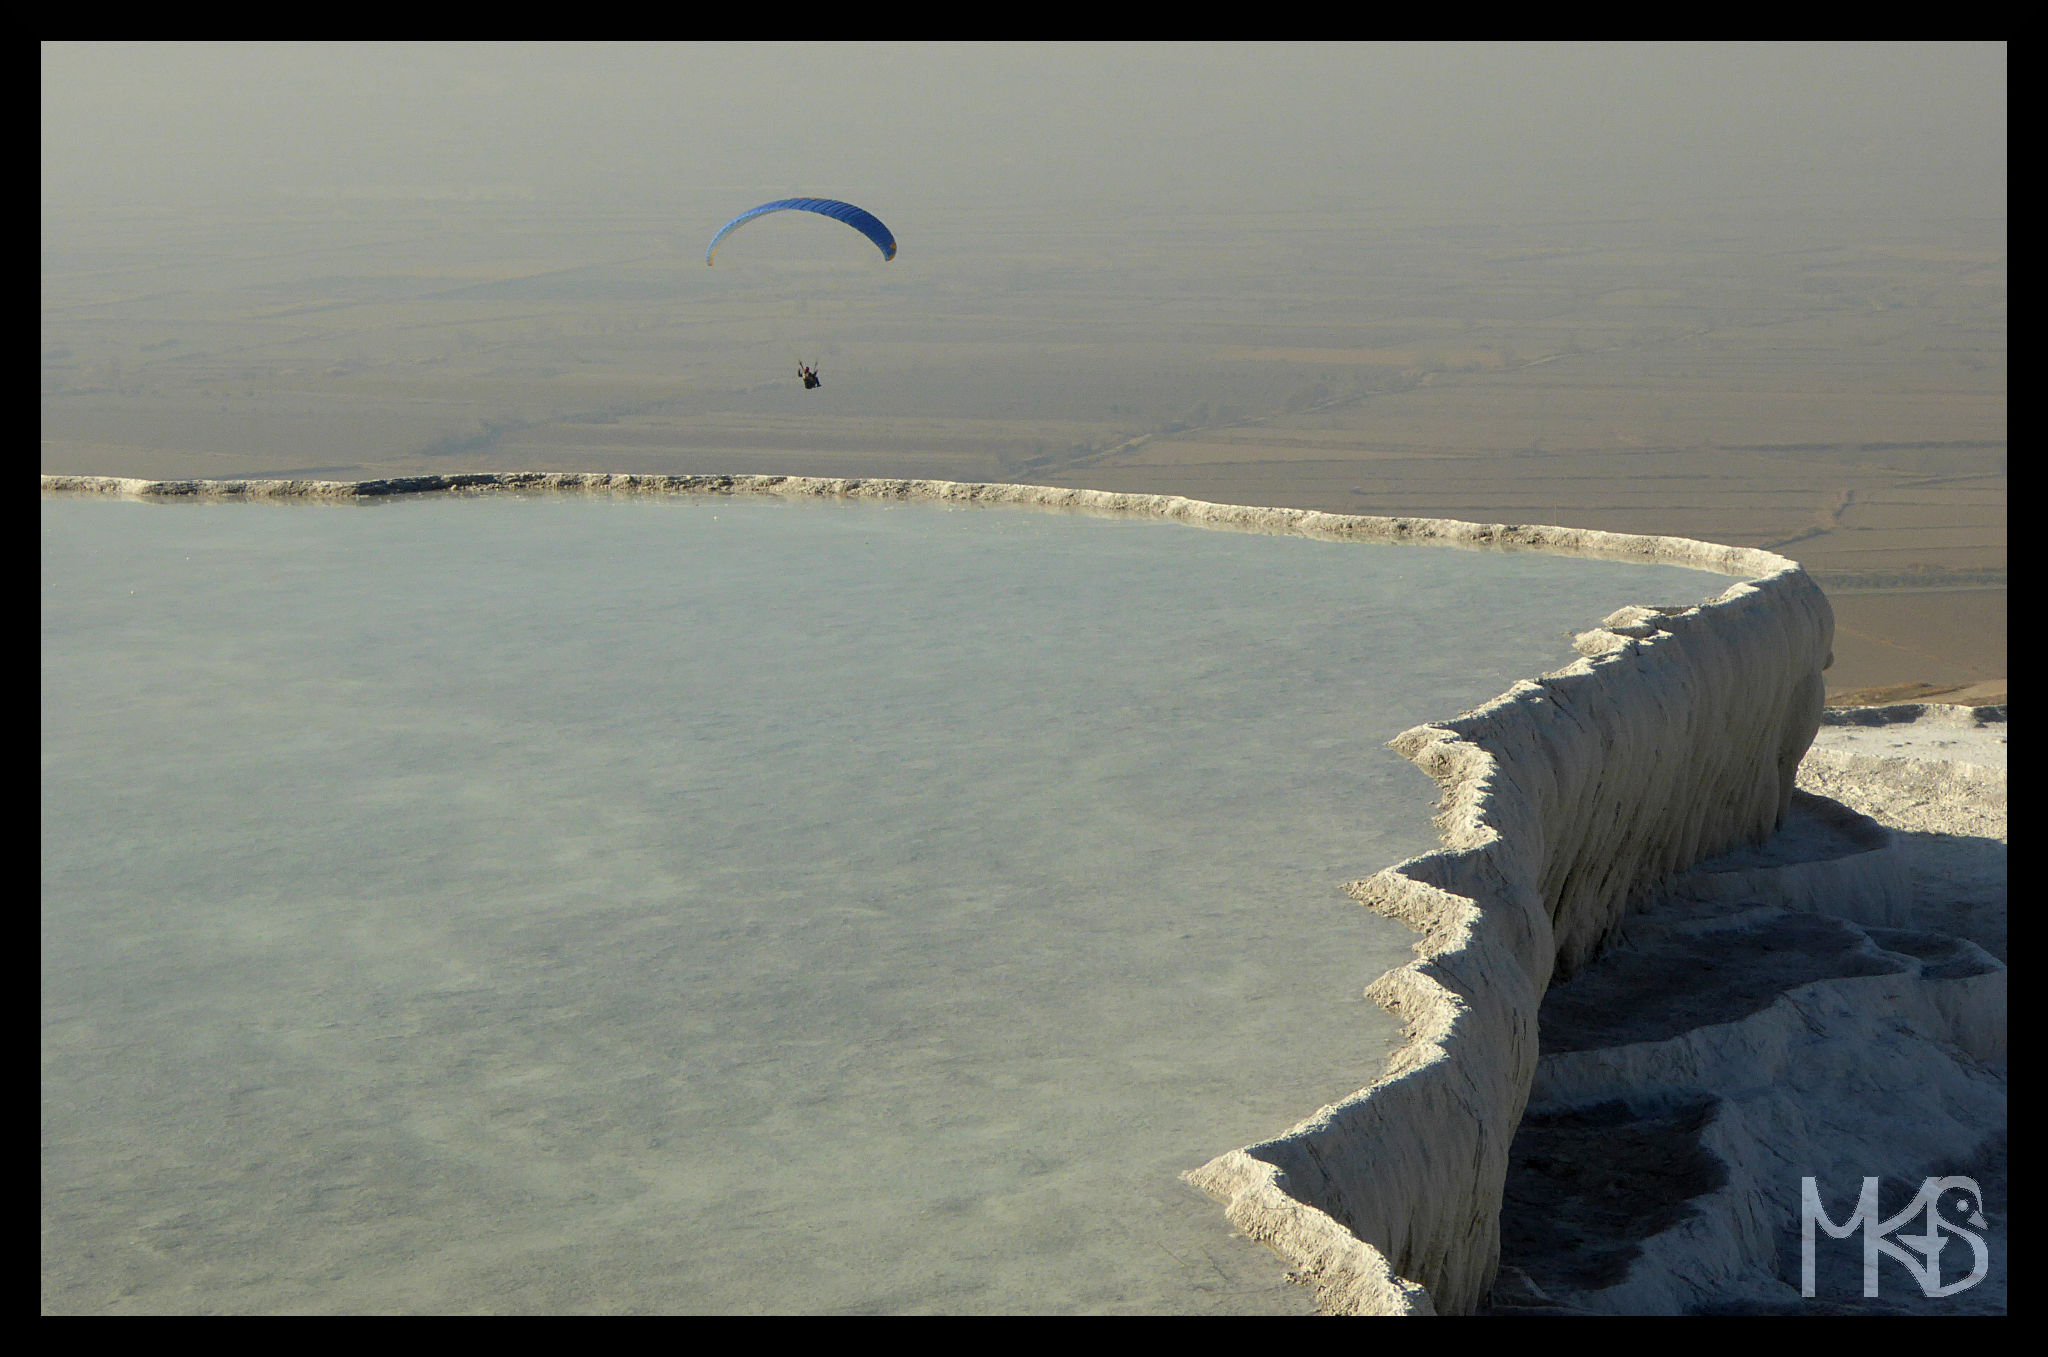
x,y
1567,799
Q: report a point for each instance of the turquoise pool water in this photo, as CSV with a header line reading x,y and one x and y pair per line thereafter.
x,y
713,905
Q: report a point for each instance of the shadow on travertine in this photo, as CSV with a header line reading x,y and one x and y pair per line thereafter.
x,y
1830,1005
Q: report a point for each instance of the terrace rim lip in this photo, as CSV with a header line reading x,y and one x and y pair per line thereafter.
x,y
1746,562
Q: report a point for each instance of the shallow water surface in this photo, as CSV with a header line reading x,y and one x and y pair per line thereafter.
x,y
719,905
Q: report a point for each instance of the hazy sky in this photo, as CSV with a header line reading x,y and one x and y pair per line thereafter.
x,y
1231,124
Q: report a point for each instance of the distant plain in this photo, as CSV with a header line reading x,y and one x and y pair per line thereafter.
x,y
1831,389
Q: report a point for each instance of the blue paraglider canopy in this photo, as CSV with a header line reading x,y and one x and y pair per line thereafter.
x,y
861,220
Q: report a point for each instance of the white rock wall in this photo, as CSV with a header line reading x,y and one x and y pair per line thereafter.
x,y
1565,799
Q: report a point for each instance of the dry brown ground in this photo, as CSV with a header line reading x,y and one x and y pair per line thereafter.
x,y
1833,390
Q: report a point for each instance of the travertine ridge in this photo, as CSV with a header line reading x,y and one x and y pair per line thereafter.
x,y
1251,518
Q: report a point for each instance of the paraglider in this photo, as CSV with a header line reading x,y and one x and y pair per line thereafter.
x,y
860,219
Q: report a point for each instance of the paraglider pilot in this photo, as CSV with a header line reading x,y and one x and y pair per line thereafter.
x,y
809,375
